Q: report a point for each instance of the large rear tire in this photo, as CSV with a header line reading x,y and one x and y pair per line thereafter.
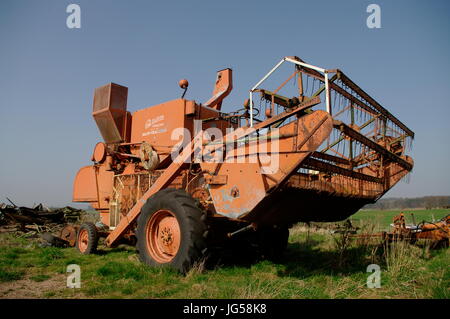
x,y
171,230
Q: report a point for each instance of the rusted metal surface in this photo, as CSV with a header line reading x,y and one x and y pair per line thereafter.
x,y
373,145
69,234
223,87
370,105
346,80
100,152
326,167
109,112
437,231
312,130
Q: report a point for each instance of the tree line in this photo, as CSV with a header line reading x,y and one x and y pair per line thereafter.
x,y
427,202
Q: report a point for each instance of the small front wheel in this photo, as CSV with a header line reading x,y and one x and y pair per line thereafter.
x,y
87,239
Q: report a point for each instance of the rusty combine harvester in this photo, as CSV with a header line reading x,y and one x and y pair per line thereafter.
x,y
180,177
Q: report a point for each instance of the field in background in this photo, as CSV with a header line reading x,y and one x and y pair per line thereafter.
x,y
383,218
315,265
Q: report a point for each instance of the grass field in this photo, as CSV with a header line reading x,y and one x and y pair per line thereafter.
x,y
315,265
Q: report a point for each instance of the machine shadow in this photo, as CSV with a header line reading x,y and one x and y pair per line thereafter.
x,y
300,260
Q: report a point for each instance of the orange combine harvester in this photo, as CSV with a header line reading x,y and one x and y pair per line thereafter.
x,y
182,176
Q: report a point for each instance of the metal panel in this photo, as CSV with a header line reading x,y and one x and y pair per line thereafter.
x,y
110,112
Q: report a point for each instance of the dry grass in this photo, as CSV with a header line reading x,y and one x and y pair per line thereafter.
x,y
198,268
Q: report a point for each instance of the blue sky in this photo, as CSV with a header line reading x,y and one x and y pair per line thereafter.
x,y
48,72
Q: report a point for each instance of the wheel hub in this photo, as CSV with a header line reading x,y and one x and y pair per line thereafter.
x,y
166,236
83,240
163,236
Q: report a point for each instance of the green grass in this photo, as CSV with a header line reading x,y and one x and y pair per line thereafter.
x,y
314,266
10,275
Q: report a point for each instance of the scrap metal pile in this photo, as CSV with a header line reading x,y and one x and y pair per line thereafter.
x,y
36,220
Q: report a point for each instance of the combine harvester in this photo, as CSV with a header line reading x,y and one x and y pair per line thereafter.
x,y
180,177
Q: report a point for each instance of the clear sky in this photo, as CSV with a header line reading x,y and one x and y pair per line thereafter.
x,y
48,72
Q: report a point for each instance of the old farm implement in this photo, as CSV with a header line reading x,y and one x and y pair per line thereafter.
x,y
437,233
182,176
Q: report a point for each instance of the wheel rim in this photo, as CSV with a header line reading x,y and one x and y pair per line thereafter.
x,y
83,240
163,236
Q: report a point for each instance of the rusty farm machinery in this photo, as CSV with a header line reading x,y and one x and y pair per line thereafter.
x,y
435,233
179,177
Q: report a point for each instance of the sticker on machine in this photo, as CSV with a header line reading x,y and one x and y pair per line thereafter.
x,y
155,125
